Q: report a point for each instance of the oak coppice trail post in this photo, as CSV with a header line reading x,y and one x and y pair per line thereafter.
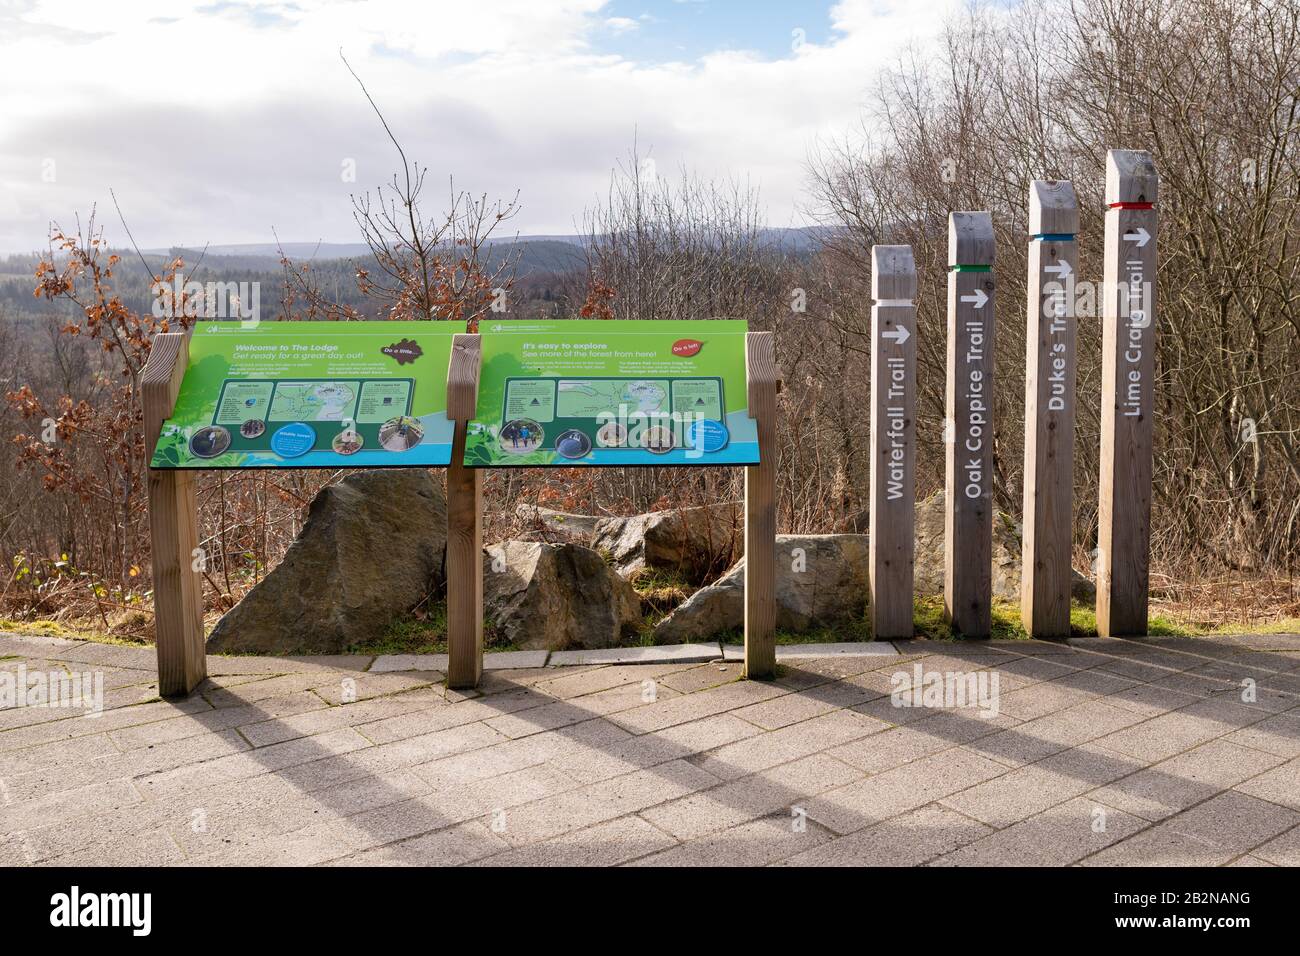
x,y
464,565
173,529
968,426
1050,364
1127,393
893,440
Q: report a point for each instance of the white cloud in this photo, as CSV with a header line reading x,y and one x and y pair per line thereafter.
x,y
227,117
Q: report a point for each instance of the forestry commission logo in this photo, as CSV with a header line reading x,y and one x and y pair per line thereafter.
x,y
75,909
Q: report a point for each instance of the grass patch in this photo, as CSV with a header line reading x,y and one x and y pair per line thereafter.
x,y
928,622
660,591
1286,625
424,634
55,629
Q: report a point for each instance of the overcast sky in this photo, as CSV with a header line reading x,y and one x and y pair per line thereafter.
x,y
216,121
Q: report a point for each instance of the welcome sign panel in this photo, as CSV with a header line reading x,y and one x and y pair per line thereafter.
x,y
312,395
592,393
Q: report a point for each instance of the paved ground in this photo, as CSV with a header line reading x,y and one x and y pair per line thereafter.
x,y
1102,752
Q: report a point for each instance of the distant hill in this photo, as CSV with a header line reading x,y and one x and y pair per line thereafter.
x,y
534,254
554,253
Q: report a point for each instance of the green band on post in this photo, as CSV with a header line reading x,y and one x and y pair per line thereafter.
x,y
960,268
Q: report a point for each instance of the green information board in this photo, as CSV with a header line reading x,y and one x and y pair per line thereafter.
x,y
569,393
312,395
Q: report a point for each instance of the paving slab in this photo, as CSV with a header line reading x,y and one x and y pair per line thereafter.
x,y
1093,752
662,654
513,660
736,652
395,663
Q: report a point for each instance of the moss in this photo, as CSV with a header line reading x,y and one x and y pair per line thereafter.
x,y
55,629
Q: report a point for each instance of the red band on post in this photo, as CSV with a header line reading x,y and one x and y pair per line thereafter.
x,y
1132,205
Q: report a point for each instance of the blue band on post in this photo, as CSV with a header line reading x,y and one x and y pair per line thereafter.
x,y
1054,237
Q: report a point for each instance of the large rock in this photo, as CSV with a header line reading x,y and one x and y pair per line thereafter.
x,y
372,549
821,580
556,596
696,542
838,591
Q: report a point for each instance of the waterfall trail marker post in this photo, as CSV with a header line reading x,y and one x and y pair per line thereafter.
x,y
893,441
1127,394
968,426
1049,410
581,393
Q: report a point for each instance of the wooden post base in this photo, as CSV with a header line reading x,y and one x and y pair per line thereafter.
x,y
173,531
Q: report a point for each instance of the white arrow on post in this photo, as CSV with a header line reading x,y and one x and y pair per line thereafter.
x,y
1062,268
1139,235
899,334
979,298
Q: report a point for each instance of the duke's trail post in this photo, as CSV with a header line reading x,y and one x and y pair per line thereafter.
x,y
893,440
968,427
1049,410
1127,393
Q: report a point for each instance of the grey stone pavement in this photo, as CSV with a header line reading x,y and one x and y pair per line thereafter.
x,y
1101,752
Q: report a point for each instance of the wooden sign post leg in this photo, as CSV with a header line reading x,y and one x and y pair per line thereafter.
x,y
760,510
1127,394
1047,514
893,441
464,565
173,530
968,427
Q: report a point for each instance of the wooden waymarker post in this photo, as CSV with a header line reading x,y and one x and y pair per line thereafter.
x,y
1049,410
968,499
893,440
464,566
1127,393
173,529
762,381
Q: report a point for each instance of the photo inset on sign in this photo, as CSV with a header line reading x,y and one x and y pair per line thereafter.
x,y
252,428
401,433
657,439
520,436
573,444
611,435
347,442
210,442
